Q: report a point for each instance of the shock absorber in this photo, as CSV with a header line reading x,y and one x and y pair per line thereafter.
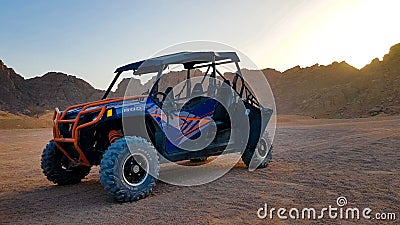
x,y
113,135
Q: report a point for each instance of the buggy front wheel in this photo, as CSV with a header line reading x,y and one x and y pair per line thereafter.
x,y
129,169
58,169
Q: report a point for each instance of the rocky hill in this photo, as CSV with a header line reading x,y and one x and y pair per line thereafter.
x,y
337,90
12,90
35,95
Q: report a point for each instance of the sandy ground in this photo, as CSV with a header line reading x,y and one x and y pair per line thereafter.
x,y
12,121
314,162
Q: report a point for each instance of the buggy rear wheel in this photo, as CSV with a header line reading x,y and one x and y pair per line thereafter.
x,y
129,169
260,156
59,169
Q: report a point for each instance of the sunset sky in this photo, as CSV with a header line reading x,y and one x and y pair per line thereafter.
x,y
91,38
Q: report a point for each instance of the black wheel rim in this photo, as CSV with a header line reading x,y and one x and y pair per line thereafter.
x,y
66,165
135,169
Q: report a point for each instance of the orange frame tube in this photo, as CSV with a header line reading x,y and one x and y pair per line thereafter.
x,y
58,117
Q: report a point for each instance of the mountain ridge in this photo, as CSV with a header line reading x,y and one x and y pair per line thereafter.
x,y
337,90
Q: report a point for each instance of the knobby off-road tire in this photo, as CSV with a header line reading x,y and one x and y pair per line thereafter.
x,y
56,167
260,156
129,173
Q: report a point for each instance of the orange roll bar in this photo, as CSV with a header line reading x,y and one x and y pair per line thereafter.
x,y
58,118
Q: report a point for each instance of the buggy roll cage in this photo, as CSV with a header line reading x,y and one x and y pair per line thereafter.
x,y
190,60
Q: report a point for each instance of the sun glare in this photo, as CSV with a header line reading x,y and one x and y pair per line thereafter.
x,y
351,31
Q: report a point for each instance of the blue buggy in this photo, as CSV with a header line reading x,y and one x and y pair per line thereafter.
x,y
193,112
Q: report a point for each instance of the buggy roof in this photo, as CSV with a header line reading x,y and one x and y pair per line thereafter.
x,y
188,59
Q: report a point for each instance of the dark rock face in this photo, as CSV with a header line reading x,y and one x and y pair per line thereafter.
x,y
339,90
131,87
13,95
33,96
60,90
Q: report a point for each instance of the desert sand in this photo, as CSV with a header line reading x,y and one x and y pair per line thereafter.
x,y
314,162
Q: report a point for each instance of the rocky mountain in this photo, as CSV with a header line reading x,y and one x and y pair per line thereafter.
x,y
12,90
135,87
35,95
60,90
337,90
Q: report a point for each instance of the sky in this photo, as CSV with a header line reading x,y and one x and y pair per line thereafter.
x,y
91,38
